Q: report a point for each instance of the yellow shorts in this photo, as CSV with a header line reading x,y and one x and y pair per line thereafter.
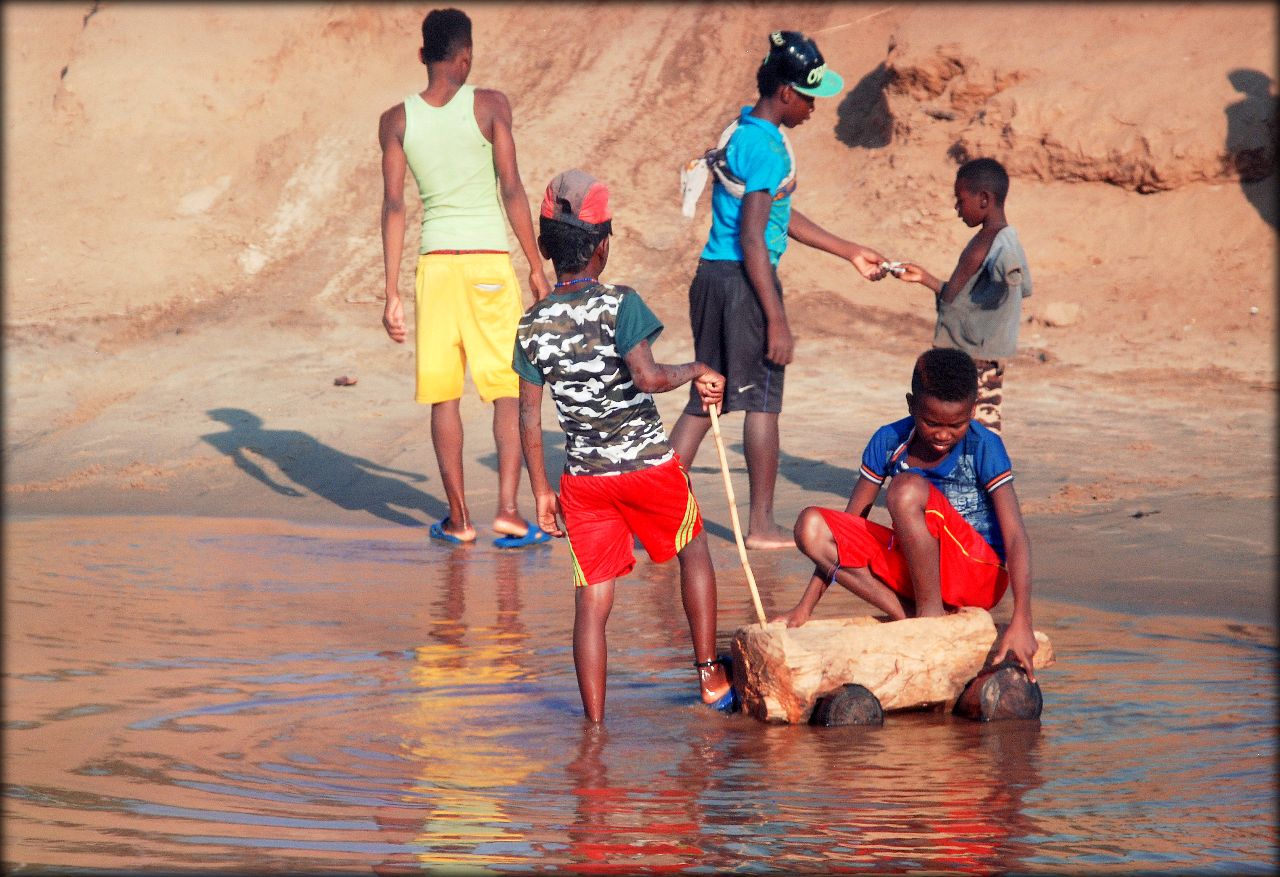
x,y
466,311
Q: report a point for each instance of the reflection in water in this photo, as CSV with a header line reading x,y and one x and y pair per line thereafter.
x,y
602,838
467,762
253,696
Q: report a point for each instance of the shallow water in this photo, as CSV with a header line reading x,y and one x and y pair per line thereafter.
x,y
249,695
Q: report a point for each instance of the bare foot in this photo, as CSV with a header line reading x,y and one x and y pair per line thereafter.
x,y
795,618
770,539
928,612
714,682
463,534
510,524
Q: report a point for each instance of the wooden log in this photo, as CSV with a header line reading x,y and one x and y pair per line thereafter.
x,y
780,672
997,693
850,704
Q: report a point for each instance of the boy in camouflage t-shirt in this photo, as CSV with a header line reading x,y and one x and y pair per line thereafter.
x,y
589,343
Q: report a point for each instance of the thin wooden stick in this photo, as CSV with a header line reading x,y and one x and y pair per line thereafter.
x,y
733,512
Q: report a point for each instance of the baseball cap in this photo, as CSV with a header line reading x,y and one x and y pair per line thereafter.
x,y
795,60
576,198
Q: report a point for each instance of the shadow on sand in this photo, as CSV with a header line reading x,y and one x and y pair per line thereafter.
x,y
817,476
863,117
347,481
1251,139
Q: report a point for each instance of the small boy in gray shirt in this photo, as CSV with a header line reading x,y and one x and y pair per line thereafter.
x,y
980,307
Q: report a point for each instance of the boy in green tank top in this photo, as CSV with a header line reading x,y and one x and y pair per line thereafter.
x,y
456,139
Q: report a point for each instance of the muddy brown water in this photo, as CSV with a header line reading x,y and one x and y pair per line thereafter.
x,y
262,696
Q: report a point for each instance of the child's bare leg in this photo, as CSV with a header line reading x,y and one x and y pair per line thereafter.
x,y
590,649
906,500
687,436
506,440
760,443
446,438
862,583
698,592
814,539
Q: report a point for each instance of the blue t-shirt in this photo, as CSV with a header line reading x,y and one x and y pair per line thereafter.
x,y
976,466
757,155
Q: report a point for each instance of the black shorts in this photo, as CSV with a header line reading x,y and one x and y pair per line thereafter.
x,y
729,335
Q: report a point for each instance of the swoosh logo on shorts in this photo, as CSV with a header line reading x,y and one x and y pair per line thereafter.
x,y
744,389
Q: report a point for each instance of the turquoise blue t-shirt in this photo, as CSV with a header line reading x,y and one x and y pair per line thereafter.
x,y
757,155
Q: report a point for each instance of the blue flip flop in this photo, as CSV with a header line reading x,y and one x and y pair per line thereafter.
x,y
533,536
437,531
728,703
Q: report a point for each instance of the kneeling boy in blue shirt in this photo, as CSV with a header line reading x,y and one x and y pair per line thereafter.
x,y
957,538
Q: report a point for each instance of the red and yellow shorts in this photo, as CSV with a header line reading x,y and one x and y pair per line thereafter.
x,y
603,512
971,571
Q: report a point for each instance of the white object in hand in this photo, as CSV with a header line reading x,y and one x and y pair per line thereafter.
x,y
894,268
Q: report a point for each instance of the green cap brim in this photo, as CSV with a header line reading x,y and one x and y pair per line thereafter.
x,y
832,82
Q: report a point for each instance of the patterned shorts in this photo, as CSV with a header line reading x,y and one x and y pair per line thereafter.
x,y
990,393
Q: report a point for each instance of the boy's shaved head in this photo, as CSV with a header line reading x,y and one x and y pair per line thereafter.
x,y
445,32
946,374
985,175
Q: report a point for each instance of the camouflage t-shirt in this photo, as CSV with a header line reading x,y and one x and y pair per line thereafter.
x,y
575,343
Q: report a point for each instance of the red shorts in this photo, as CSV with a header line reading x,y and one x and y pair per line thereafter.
x,y
971,571
602,513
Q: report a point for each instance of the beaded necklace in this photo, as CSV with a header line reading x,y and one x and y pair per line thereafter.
x,y
572,282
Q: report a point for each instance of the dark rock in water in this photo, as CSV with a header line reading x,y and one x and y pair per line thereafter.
x,y
1003,692
850,704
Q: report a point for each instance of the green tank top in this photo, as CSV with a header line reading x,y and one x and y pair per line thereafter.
x,y
452,163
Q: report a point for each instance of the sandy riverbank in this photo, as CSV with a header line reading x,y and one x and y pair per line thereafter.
x,y
192,257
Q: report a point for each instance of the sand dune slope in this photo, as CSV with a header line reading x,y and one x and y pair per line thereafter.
x,y
192,194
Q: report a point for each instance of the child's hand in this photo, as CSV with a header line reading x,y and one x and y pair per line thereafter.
x,y
538,284
710,387
549,513
795,618
867,261
1020,640
393,319
910,272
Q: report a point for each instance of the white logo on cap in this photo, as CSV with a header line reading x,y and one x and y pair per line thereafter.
x,y
776,37
815,75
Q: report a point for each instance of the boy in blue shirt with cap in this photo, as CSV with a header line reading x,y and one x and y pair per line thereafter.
x,y
739,324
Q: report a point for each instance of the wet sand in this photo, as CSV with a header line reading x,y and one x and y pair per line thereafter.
x,y
260,662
